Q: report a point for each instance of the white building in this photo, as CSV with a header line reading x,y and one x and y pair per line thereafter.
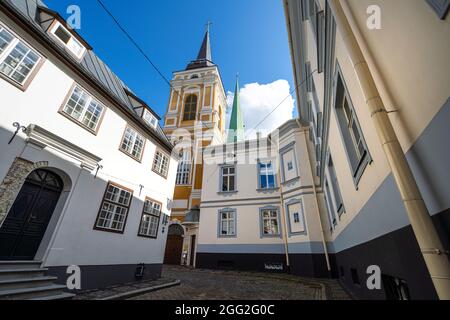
x,y
260,206
88,182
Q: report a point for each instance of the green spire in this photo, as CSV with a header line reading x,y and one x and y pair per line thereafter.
x,y
236,131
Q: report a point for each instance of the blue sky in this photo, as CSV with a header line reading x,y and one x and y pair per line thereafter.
x,y
247,36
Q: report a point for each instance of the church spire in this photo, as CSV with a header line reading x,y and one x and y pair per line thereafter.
x,y
204,58
236,129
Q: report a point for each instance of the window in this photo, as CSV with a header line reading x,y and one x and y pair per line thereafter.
x,y
150,219
227,223
289,171
150,119
228,179
270,223
336,190
133,143
184,168
320,41
290,166
266,175
190,108
84,109
440,7
114,209
330,207
66,38
296,222
395,288
309,76
17,60
313,8
161,164
352,136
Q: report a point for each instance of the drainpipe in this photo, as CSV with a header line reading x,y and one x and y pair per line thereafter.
x,y
434,254
324,242
283,213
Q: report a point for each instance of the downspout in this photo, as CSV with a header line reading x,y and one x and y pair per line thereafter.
x,y
322,231
434,253
283,213
283,216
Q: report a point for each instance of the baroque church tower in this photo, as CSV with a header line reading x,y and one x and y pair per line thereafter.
x,y
195,112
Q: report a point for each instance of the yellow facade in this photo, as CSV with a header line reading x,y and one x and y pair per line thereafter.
x,y
208,127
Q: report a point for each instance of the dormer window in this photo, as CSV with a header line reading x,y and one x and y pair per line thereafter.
x,y
66,38
195,76
150,119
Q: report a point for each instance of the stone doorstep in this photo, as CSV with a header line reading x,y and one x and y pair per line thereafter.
x,y
122,292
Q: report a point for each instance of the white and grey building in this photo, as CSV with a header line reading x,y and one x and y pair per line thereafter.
x,y
260,206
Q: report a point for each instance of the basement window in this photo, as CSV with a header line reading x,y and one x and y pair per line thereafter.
x,y
395,288
68,40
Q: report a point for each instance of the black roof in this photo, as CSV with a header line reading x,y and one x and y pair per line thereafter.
x,y
204,58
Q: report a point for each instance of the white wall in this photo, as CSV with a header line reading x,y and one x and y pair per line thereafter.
x,y
76,242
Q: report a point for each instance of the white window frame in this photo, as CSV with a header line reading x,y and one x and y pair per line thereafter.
x,y
113,213
72,40
89,99
150,119
151,215
229,220
266,173
161,163
134,141
11,46
271,219
184,168
227,177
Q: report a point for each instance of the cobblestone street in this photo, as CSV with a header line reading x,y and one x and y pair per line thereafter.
x,y
231,285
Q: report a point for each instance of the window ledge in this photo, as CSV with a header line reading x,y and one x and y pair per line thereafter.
x,y
268,189
227,192
271,237
290,181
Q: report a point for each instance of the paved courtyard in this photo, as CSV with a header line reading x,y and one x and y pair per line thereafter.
x,y
231,285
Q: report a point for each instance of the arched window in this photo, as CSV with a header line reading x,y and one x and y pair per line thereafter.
x,y
190,108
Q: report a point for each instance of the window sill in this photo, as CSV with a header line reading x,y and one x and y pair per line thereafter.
x,y
227,192
147,237
129,155
268,189
290,181
159,174
271,237
364,163
226,237
94,132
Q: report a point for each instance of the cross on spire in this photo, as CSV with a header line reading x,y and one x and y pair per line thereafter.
x,y
208,25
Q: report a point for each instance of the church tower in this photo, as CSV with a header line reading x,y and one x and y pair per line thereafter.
x,y
195,112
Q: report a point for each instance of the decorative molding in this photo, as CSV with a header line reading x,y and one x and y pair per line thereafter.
x,y
41,138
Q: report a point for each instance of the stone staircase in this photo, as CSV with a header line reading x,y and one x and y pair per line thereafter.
x,y
26,280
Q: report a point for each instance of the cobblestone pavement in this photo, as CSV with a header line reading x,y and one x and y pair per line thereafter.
x,y
231,285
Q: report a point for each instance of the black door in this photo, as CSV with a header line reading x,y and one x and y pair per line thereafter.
x,y
25,225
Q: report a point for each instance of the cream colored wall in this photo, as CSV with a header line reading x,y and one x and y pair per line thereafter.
x,y
411,52
410,57
248,200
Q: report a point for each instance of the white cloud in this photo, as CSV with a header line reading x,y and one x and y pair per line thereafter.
x,y
258,100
